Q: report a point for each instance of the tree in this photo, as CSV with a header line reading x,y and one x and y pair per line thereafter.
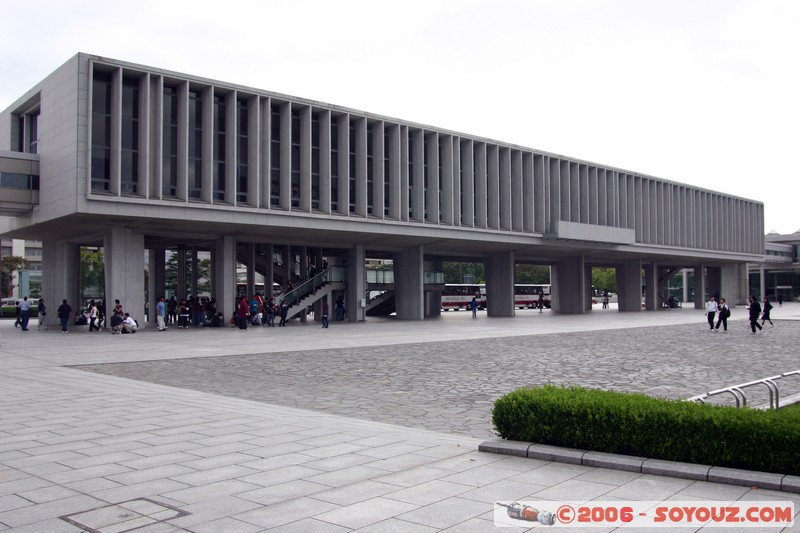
x,y
203,275
604,279
535,274
457,272
93,274
11,264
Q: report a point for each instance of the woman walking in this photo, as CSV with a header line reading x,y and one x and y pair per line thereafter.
x,y
765,313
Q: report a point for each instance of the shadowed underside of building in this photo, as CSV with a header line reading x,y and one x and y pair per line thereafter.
x,y
133,158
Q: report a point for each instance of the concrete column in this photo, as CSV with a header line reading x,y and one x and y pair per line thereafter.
x,y
433,297
61,277
123,252
303,274
409,284
569,286
729,284
269,265
714,275
587,280
743,278
629,286
251,270
180,289
700,286
157,281
651,301
500,284
685,274
225,275
762,282
286,267
195,269
356,284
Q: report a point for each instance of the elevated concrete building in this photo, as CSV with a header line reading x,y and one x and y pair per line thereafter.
x,y
135,158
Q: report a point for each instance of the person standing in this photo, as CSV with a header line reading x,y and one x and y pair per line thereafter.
x,y
92,312
473,305
284,313
24,313
755,312
161,314
724,313
325,313
42,313
765,313
339,308
711,312
244,312
63,312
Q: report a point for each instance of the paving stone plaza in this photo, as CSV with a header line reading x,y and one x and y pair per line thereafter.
x,y
370,427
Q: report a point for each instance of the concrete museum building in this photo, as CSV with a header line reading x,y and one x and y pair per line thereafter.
x,y
127,157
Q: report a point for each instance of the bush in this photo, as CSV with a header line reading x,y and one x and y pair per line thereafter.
x,y
636,424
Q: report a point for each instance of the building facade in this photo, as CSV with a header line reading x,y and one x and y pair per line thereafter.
x,y
133,157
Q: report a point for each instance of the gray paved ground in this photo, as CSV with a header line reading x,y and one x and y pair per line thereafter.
x,y
114,454
450,386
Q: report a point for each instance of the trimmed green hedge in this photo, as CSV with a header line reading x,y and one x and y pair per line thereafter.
x,y
639,425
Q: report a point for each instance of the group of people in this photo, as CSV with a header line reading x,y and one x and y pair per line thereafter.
x,y
721,312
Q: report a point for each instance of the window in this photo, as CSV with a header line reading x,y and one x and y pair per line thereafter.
x,y
101,132
334,165
295,158
386,171
219,147
275,156
352,166
129,162
195,144
315,161
370,170
241,152
169,162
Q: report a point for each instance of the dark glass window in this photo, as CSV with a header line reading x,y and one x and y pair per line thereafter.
x,y
334,165
370,170
315,156
352,166
410,175
295,158
241,152
219,147
195,144
101,132
129,163
169,162
386,144
275,156
425,175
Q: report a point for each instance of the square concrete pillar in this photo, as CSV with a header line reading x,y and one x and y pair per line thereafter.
x,y
700,286
433,296
651,286
714,277
355,302
729,284
124,270
409,284
569,293
157,281
225,275
61,277
500,284
629,286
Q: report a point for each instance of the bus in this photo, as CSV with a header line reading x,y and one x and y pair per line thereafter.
x,y
241,289
459,295
527,295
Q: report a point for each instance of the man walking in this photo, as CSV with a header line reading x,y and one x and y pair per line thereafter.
x,y
24,313
161,310
63,313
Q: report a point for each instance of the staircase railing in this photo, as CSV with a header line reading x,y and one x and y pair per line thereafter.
x,y
311,285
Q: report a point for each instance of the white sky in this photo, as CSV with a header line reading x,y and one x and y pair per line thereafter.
x,y
703,92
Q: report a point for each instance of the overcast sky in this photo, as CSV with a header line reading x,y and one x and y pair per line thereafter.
x,y
703,92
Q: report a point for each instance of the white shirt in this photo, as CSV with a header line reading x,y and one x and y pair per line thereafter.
x,y
711,306
129,322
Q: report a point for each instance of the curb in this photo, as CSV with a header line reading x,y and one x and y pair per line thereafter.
x,y
629,463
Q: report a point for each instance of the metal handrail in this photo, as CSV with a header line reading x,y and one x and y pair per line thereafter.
x,y
740,396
